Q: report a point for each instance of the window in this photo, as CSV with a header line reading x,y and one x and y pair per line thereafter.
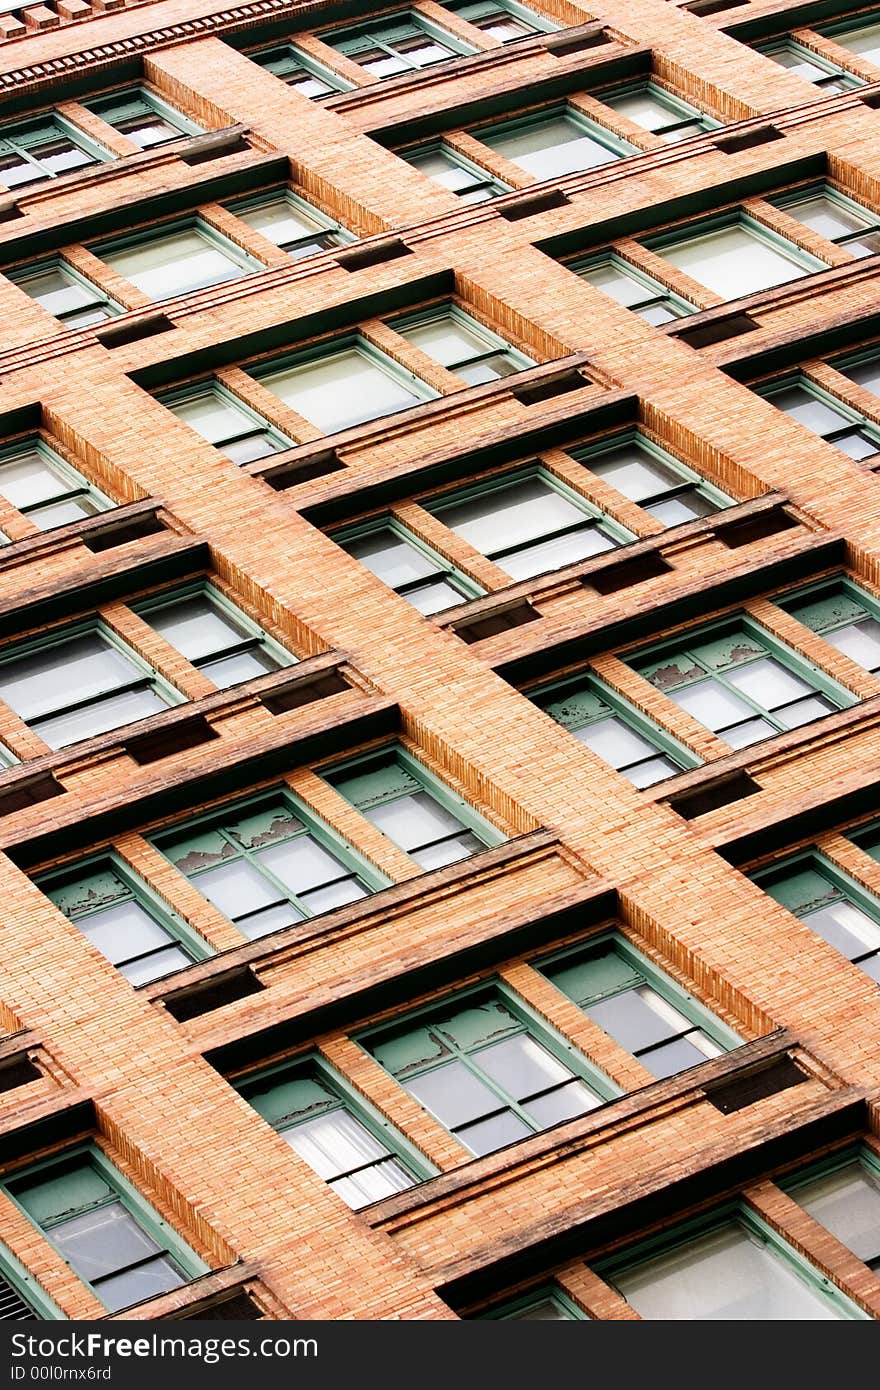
x,y
143,117
734,1269
528,523
336,1131
488,1071
269,863
214,635
453,171
415,810
845,1199
742,683
179,260
124,919
462,345
735,256
74,300
300,71
810,66
823,414
632,288
649,105
834,216
226,422
831,904
639,1007
45,488
31,151
21,1298
608,725
546,1305
554,142
843,615
80,682
862,39
291,223
505,20
408,566
864,369
103,1228
660,484
346,384
403,41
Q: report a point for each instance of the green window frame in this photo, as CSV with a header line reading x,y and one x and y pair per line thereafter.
x,y
300,71
861,367
73,300
401,41
657,481
833,1207
44,487
379,374
22,1299
823,414
214,634
473,352
545,162
143,117
842,614
631,287
505,20
840,219
675,119
412,807
309,231
690,233
360,1154
268,862
861,37
114,251
812,67
547,1304
614,729
487,1068
145,692
575,529
455,172
71,1198
45,147
708,670
124,918
835,906
736,1216
427,580
637,1004
235,429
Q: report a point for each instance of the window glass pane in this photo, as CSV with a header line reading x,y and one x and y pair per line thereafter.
x,y
70,670
136,1285
809,410
448,339
614,741
334,1143
826,215
553,554
176,263
510,515
212,416
453,1094
282,221
413,820
520,1066
638,1018
847,1203
57,291
196,626
387,555
859,641
711,703
103,1240
633,471
112,712
124,931
767,682
846,927
866,373
733,261
342,389
549,146
863,39
237,888
372,1184
301,863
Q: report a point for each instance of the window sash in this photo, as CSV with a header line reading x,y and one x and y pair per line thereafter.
x,y
21,137
496,135
480,180
690,479
252,425
117,108
291,65
681,114
830,75
654,295
391,35
95,301
114,252
842,889
853,424
444,571
680,238
253,638
72,486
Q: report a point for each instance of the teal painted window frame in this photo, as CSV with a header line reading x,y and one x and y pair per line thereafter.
x,y
855,1155
698,1015
323,833
483,181
192,222
450,801
134,1202
690,478
849,889
259,425
664,742
841,582
16,137
446,569
178,928
582,1067
716,222
789,200
256,636
548,1293
495,345
80,486
158,683
98,299
739,1213
386,32
854,422
137,100
682,113
299,62
437,503
659,305
616,145
351,1101
832,73
329,231
537,23
820,681
23,1283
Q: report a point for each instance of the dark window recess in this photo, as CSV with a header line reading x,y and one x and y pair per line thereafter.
x,y
213,994
121,334
756,528
546,388
532,203
628,573
714,6
185,733
565,42
871,99
724,791
300,693
18,1071
717,330
9,210
238,1307
121,532
28,791
304,469
359,257
735,1093
748,140
224,143
492,623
